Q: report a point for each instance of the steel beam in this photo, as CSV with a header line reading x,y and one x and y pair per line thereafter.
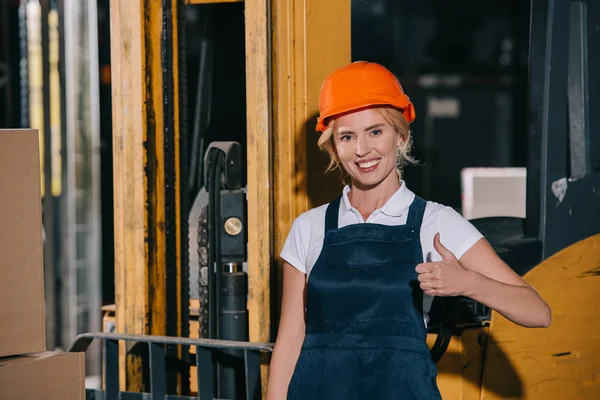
x,y
259,167
147,114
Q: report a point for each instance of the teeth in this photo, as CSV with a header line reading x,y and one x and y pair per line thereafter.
x,y
368,164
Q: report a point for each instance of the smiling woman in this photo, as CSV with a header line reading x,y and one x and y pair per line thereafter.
x,y
383,120
366,147
385,112
359,270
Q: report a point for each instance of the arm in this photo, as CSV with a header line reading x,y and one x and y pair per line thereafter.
x,y
483,276
290,335
495,284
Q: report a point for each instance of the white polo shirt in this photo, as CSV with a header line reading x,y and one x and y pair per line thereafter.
x,y
305,240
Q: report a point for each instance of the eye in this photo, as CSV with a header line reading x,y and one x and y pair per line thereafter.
x,y
345,137
376,132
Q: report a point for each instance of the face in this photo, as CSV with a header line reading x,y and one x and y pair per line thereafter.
x,y
366,146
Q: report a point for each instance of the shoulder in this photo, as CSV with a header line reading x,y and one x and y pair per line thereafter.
x,y
310,218
456,232
439,213
305,234
435,212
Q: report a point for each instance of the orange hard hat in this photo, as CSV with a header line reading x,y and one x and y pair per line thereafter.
x,y
359,85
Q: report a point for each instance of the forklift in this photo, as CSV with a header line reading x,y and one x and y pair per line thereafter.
x,y
198,225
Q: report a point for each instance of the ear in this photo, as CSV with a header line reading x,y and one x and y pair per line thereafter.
x,y
399,141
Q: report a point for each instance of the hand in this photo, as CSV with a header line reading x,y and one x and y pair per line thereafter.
x,y
443,278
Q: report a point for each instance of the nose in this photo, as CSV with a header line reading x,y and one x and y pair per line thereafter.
x,y
362,146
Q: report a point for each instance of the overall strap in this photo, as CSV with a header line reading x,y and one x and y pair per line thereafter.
x,y
331,215
415,213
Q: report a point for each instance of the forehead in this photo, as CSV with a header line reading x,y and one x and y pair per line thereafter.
x,y
359,120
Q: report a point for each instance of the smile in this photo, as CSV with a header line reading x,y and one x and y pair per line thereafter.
x,y
368,165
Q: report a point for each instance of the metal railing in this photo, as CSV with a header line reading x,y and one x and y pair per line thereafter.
x,y
157,365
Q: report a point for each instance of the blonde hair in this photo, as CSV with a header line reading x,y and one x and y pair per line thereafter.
x,y
394,117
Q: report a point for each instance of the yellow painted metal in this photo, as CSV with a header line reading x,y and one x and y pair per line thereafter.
x,y
259,166
194,328
36,89
310,39
178,217
55,90
460,369
563,361
260,209
139,175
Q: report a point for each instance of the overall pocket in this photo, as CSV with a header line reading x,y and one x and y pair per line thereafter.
x,y
369,253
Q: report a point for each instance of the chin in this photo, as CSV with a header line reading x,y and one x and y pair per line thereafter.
x,y
366,183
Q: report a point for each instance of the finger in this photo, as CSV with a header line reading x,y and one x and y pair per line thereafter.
x,y
427,286
424,268
426,277
442,251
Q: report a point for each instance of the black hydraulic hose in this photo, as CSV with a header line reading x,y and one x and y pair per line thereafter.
x,y
203,107
441,343
214,243
217,239
196,153
214,251
216,184
211,255
211,252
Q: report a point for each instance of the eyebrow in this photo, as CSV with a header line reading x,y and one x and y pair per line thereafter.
x,y
370,128
345,132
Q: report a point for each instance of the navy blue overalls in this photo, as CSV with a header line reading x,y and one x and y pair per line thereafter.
x,y
365,335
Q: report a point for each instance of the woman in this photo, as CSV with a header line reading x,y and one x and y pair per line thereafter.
x,y
352,322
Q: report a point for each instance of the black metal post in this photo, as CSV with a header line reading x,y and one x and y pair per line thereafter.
x,y
234,320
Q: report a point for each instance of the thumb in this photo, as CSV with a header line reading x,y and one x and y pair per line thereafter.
x,y
442,251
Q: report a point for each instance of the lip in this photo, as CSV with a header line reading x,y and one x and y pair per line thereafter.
x,y
368,169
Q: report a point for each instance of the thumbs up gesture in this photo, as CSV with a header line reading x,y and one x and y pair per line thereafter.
x,y
443,278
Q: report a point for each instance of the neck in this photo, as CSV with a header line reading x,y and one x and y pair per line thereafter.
x,y
367,199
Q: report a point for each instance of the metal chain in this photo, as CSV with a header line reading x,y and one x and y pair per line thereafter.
x,y
203,273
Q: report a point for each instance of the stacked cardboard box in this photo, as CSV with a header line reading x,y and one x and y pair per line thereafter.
x,y
27,371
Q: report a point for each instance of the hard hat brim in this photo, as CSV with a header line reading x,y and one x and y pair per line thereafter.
x,y
404,105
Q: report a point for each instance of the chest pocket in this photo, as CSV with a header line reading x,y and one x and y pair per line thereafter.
x,y
369,253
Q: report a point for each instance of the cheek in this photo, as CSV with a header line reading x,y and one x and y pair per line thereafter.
x,y
344,151
388,148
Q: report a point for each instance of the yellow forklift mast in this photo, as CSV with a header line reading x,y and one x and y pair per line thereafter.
x,y
149,226
290,47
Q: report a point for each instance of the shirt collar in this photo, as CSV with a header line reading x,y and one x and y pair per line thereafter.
x,y
396,206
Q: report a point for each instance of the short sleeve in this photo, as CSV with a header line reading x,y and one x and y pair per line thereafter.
x,y
457,234
295,248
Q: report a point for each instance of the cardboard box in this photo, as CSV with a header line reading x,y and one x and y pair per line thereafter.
x,y
22,317
48,376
